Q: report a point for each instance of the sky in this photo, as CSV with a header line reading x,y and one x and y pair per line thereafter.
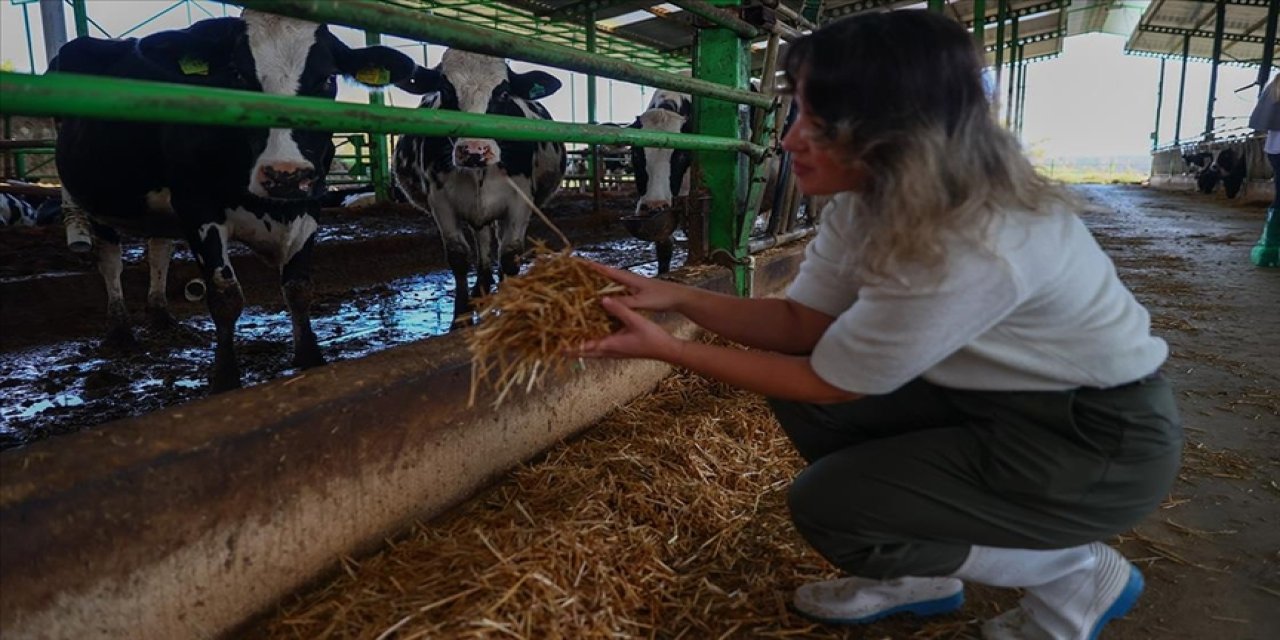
x,y
1091,101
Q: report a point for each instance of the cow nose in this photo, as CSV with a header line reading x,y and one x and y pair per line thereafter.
x,y
473,154
286,180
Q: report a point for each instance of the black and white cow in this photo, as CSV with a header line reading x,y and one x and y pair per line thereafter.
x,y
661,174
210,185
1228,167
462,182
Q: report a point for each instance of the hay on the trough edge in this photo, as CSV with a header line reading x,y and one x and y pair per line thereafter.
x,y
532,324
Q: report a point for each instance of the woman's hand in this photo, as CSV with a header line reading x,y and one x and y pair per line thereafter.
x,y
649,294
639,337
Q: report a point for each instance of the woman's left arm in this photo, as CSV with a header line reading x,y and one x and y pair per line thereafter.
x,y
772,374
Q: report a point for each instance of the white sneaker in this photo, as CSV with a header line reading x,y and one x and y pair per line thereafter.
x,y
856,600
1075,606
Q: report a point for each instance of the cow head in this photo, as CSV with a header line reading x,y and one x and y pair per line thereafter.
x,y
659,172
475,83
278,56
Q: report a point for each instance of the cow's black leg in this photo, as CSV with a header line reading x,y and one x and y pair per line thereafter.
x,y
295,280
484,261
664,248
226,301
119,333
511,233
458,253
159,253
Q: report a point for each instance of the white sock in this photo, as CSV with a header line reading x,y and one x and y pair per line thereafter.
x,y
1070,593
1000,567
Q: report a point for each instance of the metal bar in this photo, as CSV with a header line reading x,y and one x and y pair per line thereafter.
x,y
718,17
67,94
1001,10
794,17
26,26
1155,134
1022,88
1020,12
155,17
980,26
1220,25
53,22
1013,71
593,159
720,56
1182,89
1268,45
81,15
1199,33
417,25
8,145
379,165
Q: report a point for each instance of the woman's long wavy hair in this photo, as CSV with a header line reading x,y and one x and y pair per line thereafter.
x,y
901,96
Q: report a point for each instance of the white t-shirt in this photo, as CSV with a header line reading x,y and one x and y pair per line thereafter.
x,y
1042,310
1272,145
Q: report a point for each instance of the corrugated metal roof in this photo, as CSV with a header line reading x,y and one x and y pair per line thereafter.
x,y
1167,25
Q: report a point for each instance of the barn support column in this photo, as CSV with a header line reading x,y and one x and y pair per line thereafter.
x,y
1023,68
1155,133
1268,45
81,15
1182,89
1013,72
718,57
1219,27
593,155
379,168
1001,13
980,23
937,6
53,20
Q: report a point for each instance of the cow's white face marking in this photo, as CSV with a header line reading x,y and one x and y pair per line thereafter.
x,y
280,47
474,77
657,161
669,97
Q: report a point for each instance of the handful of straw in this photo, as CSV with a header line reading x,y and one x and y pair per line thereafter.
x,y
534,319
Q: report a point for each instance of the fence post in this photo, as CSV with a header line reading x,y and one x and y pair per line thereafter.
x,y
379,167
718,57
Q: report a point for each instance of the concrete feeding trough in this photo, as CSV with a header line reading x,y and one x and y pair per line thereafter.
x,y
188,521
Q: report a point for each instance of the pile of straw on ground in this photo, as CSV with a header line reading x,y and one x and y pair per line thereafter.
x,y
667,520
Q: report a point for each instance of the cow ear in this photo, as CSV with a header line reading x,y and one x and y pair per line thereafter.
x,y
193,51
376,66
422,81
533,85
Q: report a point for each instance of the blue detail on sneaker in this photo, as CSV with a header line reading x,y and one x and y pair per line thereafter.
x,y
1124,602
923,608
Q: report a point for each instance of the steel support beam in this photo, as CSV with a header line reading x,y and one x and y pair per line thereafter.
x,y
1155,133
68,94
80,14
1268,45
1001,11
1014,48
1219,27
53,21
718,17
1182,89
979,26
720,56
1200,33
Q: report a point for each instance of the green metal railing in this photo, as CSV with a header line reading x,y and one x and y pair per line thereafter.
x,y
395,20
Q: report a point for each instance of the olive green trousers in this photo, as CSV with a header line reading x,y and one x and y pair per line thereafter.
x,y
903,484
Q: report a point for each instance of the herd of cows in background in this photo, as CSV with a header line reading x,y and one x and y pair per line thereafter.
x,y
211,185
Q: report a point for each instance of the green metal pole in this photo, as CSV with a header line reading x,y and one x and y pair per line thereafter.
x,y
719,57
415,24
938,6
1182,89
81,14
1013,71
980,23
593,155
31,52
1022,87
1269,45
1155,134
1220,16
1001,13
69,94
379,167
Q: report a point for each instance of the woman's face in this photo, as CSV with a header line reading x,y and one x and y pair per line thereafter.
x,y
819,170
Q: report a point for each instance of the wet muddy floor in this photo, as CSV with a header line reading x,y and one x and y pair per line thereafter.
x,y
380,281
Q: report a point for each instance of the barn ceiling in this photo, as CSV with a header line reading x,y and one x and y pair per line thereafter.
x,y
662,35
1168,25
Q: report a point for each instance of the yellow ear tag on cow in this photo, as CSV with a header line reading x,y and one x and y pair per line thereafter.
x,y
193,66
374,76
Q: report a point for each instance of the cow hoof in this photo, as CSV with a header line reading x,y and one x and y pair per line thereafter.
x,y
308,358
